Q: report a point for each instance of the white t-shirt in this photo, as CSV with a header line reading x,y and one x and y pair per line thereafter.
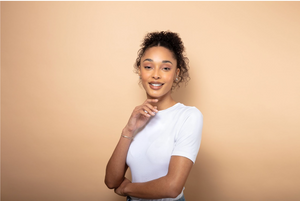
x,y
175,131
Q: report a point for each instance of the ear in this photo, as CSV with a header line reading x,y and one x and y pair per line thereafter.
x,y
177,72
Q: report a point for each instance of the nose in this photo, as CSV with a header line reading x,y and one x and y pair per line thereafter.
x,y
156,74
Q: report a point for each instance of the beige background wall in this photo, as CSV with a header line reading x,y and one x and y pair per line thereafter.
x,y
68,88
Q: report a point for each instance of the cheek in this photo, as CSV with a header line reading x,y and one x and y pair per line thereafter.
x,y
144,77
169,78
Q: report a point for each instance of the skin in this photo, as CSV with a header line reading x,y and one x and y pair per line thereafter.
x,y
158,65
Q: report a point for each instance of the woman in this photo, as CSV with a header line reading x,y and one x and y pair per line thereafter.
x,y
161,140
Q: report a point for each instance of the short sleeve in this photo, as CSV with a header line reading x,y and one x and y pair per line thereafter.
x,y
188,139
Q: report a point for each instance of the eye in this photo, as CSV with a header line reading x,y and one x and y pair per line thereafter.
x,y
166,68
147,67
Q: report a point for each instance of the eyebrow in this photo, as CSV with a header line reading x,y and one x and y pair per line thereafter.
x,y
164,61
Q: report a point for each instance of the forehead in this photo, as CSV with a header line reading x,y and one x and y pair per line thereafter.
x,y
159,52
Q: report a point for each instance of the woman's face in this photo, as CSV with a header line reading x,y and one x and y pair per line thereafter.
x,y
158,71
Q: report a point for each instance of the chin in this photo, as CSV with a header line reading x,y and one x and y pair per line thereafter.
x,y
153,96
156,95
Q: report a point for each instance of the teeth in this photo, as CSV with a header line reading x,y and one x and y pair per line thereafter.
x,y
156,85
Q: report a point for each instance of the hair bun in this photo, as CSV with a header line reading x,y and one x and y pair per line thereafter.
x,y
171,41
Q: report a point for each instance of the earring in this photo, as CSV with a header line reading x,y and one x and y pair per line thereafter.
x,y
176,79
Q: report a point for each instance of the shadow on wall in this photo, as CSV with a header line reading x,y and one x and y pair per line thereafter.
x,y
199,185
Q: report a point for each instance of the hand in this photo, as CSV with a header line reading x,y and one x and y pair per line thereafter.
x,y
120,189
141,115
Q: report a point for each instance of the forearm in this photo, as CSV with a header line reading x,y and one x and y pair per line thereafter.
x,y
164,187
169,186
116,166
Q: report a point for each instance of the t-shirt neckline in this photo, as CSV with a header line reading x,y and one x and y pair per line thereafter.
x,y
169,108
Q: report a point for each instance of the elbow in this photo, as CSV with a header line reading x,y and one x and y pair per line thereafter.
x,y
174,191
109,184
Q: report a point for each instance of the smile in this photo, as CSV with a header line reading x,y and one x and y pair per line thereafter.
x,y
156,85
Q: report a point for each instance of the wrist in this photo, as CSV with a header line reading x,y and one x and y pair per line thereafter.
x,y
127,132
126,189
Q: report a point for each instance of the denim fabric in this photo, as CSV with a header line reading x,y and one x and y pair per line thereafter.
x,y
181,199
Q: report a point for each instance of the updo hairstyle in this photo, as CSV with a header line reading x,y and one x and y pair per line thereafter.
x,y
172,42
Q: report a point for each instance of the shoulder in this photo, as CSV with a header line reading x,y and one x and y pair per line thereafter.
x,y
190,111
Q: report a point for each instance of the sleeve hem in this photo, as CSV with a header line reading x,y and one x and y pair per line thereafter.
x,y
184,155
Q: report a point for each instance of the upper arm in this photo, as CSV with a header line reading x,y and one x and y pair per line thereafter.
x,y
187,144
178,173
188,138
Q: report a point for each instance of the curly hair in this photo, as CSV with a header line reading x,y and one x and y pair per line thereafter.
x,y
172,42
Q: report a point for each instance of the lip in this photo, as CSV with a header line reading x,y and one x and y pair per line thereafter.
x,y
156,87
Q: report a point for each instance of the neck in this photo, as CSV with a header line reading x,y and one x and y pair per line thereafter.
x,y
164,102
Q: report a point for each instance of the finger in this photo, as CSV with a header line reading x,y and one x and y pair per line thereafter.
x,y
148,111
150,108
151,101
144,113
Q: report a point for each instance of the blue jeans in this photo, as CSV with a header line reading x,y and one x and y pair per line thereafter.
x,y
181,199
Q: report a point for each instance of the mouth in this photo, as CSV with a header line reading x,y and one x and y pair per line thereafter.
x,y
155,86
